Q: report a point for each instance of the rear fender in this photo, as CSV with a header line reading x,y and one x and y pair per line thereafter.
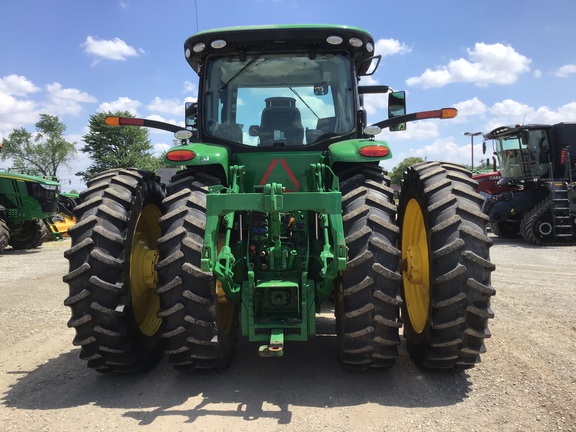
x,y
197,155
353,150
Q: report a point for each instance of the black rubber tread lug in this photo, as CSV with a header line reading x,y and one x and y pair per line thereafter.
x,y
194,339
98,268
460,266
367,310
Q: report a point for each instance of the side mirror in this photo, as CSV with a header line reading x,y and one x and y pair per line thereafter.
x,y
190,111
254,130
320,89
483,147
396,108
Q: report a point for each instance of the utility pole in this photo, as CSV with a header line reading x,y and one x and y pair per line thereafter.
x,y
472,135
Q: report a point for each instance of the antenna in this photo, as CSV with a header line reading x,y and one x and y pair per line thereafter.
x,y
196,9
523,120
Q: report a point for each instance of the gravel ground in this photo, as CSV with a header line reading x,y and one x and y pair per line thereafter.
x,y
525,382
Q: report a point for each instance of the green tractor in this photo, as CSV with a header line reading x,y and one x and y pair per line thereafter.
x,y
280,208
27,204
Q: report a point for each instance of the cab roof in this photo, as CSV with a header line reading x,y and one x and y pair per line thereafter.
x,y
280,38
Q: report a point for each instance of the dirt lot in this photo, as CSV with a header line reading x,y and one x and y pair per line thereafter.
x,y
526,381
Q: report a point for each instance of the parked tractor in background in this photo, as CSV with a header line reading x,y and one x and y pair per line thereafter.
x,y
280,207
534,194
27,205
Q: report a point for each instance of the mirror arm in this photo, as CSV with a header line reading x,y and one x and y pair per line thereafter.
x,y
441,113
132,121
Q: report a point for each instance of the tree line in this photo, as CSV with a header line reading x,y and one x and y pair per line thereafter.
x,y
46,150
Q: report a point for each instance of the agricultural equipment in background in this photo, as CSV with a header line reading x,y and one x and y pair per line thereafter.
x,y
534,194
280,207
27,204
65,219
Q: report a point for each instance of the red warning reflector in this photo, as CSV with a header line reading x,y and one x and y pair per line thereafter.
x,y
374,151
180,155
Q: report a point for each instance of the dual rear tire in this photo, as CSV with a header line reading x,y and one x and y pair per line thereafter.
x,y
136,293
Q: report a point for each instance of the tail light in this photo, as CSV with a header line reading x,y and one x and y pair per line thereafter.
x,y
180,155
374,151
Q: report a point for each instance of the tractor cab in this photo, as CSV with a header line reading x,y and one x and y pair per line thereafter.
x,y
298,89
523,152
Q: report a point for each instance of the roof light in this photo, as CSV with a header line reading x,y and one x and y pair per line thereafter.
x,y
180,155
334,40
199,47
355,42
218,43
372,130
183,134
374,151
369,47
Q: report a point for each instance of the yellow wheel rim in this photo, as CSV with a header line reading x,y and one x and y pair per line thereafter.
x,y
417,273
143,277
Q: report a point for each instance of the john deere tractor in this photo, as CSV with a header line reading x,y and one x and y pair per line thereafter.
x,y
27,204
280,207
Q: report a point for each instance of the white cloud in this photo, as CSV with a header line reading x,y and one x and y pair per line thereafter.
x,y
441,149
16,85
115,49
487,64
15,113
191,87
170,106
121,104
418,130
565,70
66,100
388,47
160,148
512,112
470,108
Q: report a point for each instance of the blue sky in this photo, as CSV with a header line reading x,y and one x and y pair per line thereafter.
x,y
498,62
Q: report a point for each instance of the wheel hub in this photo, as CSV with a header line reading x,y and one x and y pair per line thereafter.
x,y
414,264
544,228
143,276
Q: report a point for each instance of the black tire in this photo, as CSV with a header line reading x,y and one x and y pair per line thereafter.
x,y
4,235
537,225
367,298
200,331
446,266
32,236
111,279
505,229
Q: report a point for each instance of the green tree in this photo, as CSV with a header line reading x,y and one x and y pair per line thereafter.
x,y
398,171
117,147
40,153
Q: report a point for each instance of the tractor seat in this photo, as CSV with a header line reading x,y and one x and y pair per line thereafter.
x,y
281,123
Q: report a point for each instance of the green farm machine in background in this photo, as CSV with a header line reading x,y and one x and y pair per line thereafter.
x,y
27,205
280,207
